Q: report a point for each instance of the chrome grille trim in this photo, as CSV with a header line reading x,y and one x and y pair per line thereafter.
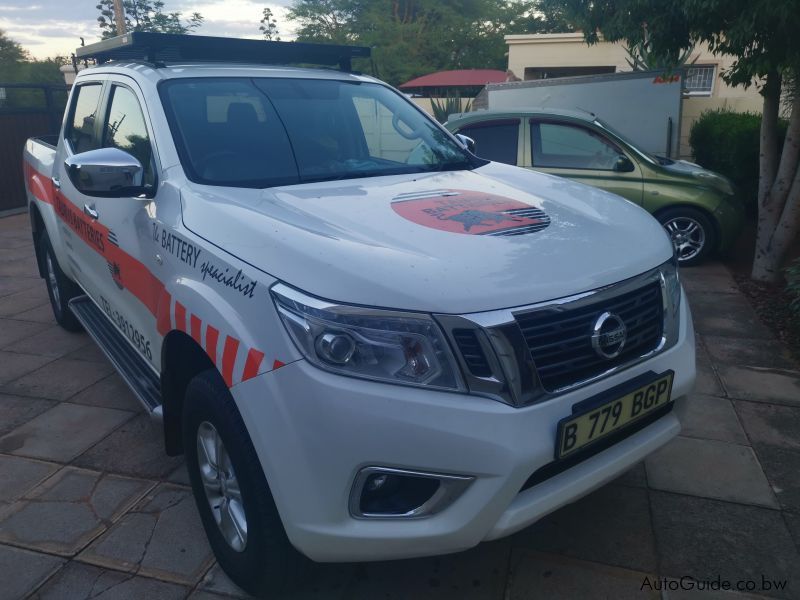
x,y
514,379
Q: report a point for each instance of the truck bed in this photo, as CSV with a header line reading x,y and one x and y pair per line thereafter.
x,y
38,157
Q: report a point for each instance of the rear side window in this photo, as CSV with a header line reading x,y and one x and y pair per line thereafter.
x,y
84,112
495,140
124,128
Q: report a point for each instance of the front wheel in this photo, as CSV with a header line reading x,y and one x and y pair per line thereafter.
x,y
692,234
60,288
231,491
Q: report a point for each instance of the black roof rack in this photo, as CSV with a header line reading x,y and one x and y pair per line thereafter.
x,y
159,48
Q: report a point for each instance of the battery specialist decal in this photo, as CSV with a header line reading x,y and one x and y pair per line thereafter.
x,y
238,281
470,212
79,225
184,251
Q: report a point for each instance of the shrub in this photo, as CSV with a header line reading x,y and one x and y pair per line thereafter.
x,y
448,106
728,142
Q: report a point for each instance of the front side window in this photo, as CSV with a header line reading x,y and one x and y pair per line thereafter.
x,y
80,130
265,132
495,140
562,146
124,128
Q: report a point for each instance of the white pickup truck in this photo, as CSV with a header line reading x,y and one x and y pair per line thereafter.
x,y
368,343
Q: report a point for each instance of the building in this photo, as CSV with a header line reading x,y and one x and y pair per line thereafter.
x,y
465,83
547,55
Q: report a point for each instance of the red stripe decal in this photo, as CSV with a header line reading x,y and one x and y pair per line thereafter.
x,y
137,278
277,364
195,328
251,365
212,337
162,320
180,316
228,358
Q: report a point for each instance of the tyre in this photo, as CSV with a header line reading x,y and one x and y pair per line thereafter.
x,y
60,288
692,233
231,491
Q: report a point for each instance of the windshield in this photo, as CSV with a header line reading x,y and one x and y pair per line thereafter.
x,y
653,158
265,132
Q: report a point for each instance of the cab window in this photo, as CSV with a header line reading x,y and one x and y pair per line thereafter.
x,y
558,145
124,128
495,140
80,127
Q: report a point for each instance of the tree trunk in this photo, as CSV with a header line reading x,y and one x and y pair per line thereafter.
x,y
765,267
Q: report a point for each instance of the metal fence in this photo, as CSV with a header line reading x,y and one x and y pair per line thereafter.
x,y
26,110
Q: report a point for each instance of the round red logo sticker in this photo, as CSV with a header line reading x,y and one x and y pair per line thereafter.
x,y
474,213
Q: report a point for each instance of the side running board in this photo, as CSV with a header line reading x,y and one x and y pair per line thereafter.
x,y
131,366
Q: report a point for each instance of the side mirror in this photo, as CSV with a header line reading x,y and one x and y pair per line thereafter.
x,y
467,142
107,172
623,164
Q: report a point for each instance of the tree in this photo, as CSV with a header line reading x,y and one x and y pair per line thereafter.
x,y
761,35
145,15
10,51
415,37
269,26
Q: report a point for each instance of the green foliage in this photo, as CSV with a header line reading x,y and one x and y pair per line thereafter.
x,y
145,15
728,142
16,66
642,56
793,287
415,37
444,107
269,26
10,51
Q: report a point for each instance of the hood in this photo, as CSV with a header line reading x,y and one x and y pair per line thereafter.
x,y
451,242
698,174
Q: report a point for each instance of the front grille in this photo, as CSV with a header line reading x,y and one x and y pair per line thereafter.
x,y
559,338
471,351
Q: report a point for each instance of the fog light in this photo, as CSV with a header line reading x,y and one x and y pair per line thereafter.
x,y
382,492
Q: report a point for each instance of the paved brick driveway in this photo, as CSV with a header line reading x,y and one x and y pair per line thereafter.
x,y
91,507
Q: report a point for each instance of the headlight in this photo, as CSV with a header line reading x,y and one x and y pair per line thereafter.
x,y
384,345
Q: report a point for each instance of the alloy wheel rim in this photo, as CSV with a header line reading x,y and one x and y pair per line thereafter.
x,y
687,235
221,486
52,281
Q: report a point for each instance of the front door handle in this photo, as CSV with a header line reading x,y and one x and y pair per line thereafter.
x,y
90,210
56,182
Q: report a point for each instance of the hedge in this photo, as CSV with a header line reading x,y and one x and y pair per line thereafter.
x,y
728,142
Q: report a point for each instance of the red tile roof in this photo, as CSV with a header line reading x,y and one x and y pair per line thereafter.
x,y
463,77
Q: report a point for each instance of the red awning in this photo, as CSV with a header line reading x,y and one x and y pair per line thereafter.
x,y
460,78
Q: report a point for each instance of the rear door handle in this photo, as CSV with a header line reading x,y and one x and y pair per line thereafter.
x,y
90,210
56,182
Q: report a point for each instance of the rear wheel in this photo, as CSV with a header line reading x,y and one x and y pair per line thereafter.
x,y
231,491
60,288
692,233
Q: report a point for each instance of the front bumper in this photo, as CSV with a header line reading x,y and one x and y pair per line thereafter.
x,y
313,431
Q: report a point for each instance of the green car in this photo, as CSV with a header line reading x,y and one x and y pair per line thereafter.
x,y
697,207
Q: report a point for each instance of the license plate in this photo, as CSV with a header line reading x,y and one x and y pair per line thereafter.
x,y
579,431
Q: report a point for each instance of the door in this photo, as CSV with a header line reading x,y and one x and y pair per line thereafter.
x,y
585,155
123,285
83,242
498,140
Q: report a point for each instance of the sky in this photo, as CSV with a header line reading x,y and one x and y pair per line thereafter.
x,y
53,27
